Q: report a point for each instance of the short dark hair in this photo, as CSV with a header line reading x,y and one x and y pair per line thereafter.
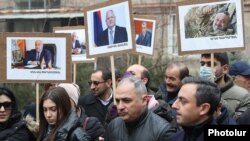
x,y
145,74
184,71
206,92
106,73
221,57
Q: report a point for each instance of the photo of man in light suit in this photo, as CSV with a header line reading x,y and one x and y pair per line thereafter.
x,y
113,34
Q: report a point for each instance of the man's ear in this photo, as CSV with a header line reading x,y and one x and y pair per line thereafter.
x,y
145,99
204,108
225,68
109,82
145,80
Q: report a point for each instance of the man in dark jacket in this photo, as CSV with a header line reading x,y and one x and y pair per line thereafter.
x,y
97,102
38,55
135,122
237,99
174,73
76,46
113,34
195,105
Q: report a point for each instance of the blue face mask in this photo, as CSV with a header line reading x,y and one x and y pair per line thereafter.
x,y
205,72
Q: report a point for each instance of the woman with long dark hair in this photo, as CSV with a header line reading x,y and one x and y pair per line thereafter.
x,y
57,122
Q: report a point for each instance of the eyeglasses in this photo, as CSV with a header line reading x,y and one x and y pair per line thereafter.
x,y
96,83
6,105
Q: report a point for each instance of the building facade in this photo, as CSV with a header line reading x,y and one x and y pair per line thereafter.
x,y
43,15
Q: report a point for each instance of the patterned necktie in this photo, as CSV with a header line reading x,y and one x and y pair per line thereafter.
x,y
111,38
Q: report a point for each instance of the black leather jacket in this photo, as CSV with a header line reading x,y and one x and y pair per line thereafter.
x,y
149,127
72,130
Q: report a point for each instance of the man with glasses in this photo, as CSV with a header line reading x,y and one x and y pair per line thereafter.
x,y
97,101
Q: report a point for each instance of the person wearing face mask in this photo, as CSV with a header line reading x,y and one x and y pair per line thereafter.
x,y
235,98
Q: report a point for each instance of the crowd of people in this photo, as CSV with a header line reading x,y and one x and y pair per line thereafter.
x,y
178,110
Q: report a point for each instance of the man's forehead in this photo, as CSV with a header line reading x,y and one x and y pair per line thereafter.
x,y
97,74
125,88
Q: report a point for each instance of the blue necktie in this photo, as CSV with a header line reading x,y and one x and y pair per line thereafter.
x,y
111,39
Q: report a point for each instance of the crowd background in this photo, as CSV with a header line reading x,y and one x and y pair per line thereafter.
x,y
26,92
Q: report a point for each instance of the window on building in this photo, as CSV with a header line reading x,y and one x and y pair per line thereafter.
x,y
172,35
37,4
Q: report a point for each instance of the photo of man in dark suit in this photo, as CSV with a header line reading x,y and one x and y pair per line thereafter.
x,y
76,46
145,36
113,34
38,56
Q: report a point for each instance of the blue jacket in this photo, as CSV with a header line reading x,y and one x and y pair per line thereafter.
x,y
146,41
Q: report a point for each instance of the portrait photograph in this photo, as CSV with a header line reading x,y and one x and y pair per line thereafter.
x,y
37,56
210,26
109,28
144,34
78,41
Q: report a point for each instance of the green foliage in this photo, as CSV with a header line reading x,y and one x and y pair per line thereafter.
x,y
236,56
83,76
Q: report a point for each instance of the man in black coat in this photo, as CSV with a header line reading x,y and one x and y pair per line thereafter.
x,y
96,102
195,105
113,34
135,121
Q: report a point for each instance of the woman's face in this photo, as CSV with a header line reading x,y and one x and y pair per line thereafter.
x,y
5,108
50,111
